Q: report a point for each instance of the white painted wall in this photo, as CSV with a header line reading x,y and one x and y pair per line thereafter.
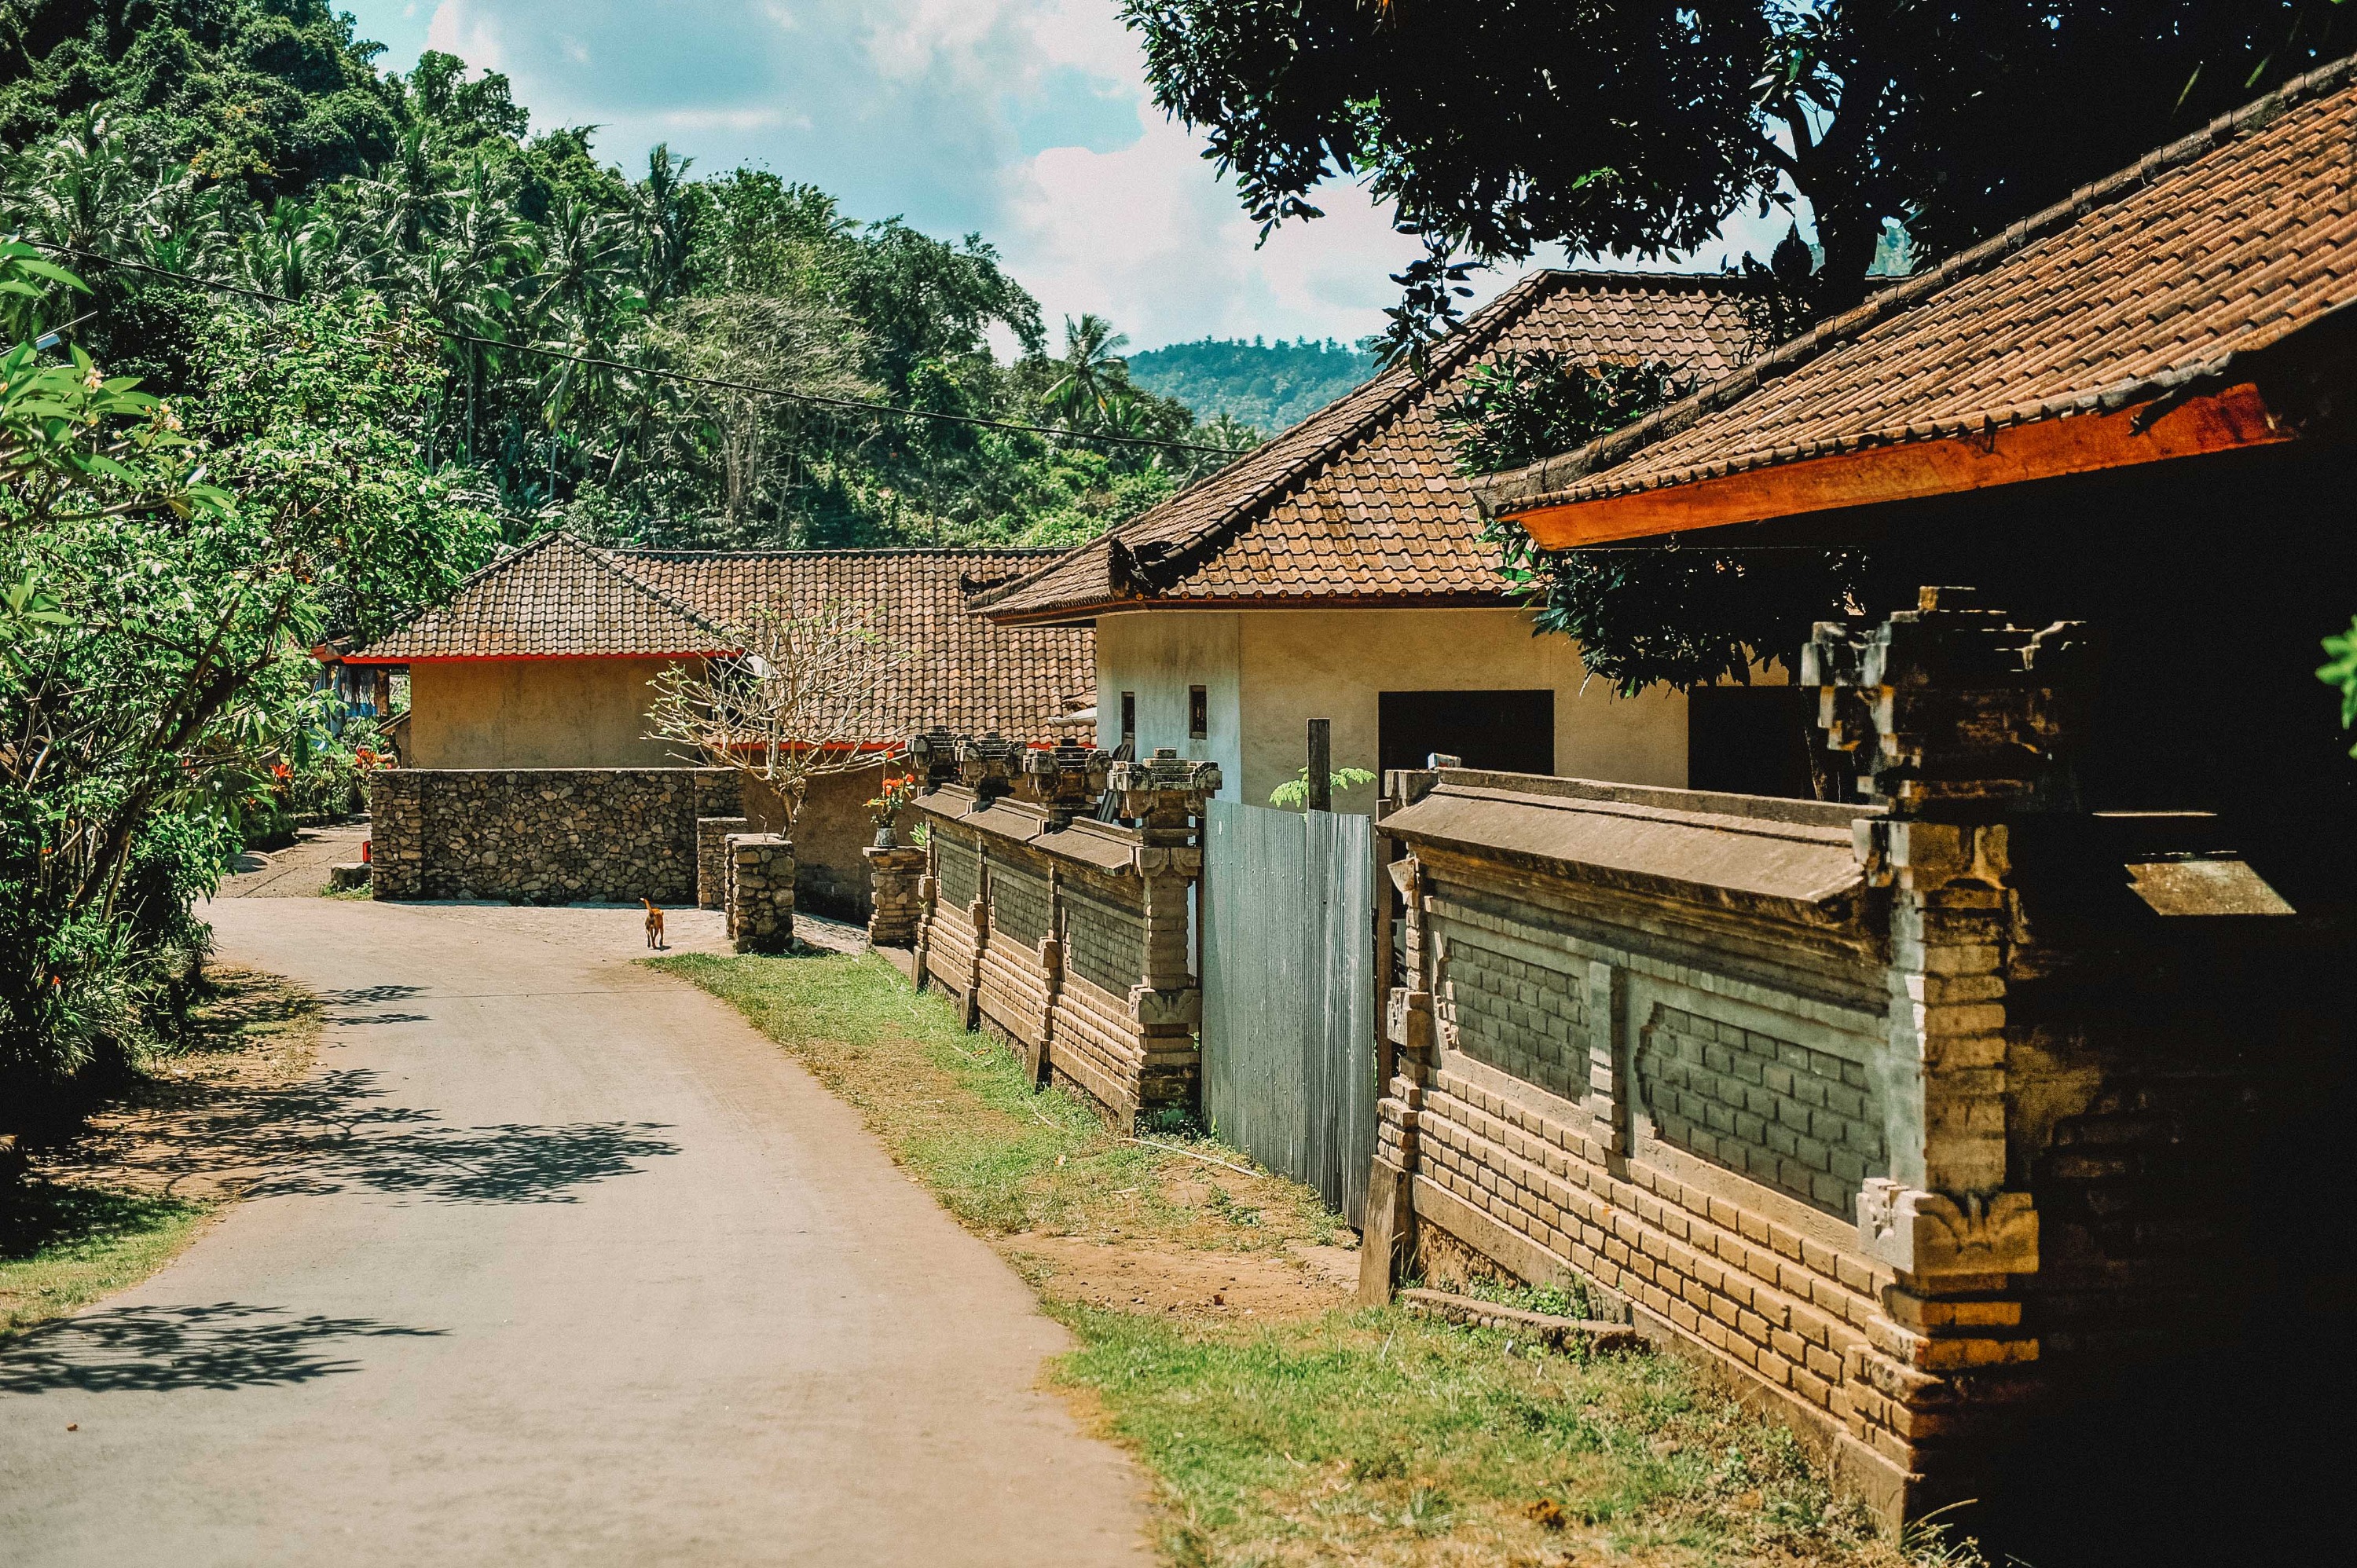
x,y
1159,656
1268,672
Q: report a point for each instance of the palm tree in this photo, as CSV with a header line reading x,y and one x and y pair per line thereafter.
x,y
1092,379
661,218
80,191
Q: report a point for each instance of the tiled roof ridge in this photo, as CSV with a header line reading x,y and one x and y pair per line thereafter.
x,y
1388,394
555,539
1533,483
612,561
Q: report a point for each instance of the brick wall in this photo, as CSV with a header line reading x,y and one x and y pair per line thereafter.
x,y
1068,937
1925,1116
1804,1122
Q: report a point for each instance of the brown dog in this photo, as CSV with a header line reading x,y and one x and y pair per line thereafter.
x,y
654,925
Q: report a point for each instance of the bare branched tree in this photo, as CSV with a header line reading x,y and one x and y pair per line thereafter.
x,y
799,701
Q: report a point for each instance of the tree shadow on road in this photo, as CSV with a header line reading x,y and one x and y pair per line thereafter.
x,y
228,1345
334,1132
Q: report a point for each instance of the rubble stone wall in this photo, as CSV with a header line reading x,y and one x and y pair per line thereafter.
x,y
541,835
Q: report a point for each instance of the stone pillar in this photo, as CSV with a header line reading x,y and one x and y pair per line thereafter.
x,y
1957,721
397,833
760,893
712,835
1165,795
897,876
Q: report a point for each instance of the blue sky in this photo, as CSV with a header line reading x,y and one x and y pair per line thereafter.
x,y
1025,120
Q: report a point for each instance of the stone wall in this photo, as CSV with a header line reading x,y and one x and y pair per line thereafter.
x,y
542,835
759,898
1937,1119
1018,886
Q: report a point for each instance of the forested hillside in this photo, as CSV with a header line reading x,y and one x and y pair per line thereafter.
x,y
294,344
1270,386
253,143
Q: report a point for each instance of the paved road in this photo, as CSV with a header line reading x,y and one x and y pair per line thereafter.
x,y
571,1267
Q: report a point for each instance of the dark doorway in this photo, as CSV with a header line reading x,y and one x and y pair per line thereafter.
x,y
1750,740
1501,732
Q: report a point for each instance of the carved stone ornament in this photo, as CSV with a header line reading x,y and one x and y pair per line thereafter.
x,y
1064,779
932,756
1165,790
1927,1234
987,764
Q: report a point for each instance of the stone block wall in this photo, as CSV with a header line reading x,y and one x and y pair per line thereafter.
x,y
541,835
712,835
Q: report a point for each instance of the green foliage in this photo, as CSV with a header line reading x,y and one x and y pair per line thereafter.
x,y
1293,795
1642,614
1265,386
446,207
168,564
2341,672
1497,129
273,95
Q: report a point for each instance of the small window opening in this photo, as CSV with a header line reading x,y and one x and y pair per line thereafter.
x,y
1129,719
1199,714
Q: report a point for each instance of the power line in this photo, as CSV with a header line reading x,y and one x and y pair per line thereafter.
x,y
682,377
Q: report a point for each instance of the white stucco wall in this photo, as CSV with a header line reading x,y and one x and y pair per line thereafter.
x,y
1159,656
1268,672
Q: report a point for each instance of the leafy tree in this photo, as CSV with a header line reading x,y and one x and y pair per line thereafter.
x,y
167,566
1643,615
1633,127
1091,379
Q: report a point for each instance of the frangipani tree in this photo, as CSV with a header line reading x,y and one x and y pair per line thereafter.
x,y
801,699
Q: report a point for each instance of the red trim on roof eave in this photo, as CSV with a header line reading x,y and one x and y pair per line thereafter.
x,y
2048,448
536,657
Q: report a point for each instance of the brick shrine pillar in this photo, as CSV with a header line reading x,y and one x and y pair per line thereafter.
x,y
1956,720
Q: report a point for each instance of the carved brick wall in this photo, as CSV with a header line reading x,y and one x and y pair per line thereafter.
x,y
1913,1112
1804,1121
1068,938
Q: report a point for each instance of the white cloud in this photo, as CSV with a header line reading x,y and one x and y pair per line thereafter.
x,y
1025,120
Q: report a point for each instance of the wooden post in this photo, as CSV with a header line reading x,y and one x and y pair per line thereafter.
x,y
1321,765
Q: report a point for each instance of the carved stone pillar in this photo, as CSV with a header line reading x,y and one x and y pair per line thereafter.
x,y
1411,1034
1166,796
1956,719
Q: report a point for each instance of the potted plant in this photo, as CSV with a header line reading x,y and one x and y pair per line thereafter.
x,y
885,808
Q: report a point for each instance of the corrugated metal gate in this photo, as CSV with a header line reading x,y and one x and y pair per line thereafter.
x,y
1289,912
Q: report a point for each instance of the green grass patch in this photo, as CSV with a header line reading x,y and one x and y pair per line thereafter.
x,y
63,1247
1373,1436
958,1110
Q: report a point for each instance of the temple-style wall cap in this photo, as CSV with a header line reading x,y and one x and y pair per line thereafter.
x,y
1951,709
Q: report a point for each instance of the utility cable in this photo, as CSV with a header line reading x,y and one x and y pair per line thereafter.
x,y
723,383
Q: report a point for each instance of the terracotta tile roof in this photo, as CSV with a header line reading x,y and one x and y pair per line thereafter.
x,y
2219,244
1361,501
560,598
554,598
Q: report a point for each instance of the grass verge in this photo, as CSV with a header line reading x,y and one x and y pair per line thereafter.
x,y
1314,1431
132,1187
